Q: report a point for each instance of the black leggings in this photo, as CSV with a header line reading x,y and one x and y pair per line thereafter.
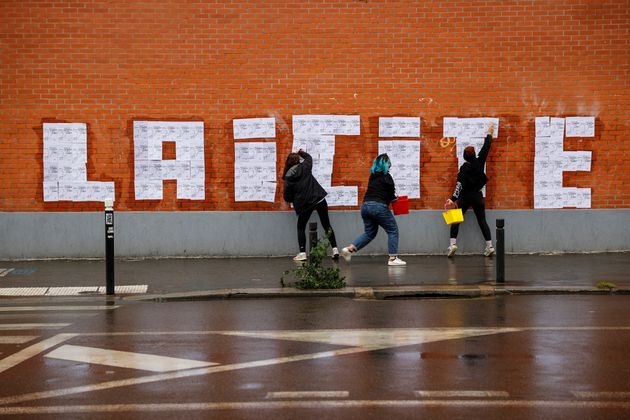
x,y
477,202
322,211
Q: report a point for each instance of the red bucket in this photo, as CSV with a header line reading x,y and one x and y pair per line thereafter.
x,y
401,206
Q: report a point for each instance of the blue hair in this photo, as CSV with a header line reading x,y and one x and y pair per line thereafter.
x,y
381,164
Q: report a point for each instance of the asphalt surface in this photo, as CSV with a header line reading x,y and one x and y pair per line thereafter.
x,y
365,276
521,357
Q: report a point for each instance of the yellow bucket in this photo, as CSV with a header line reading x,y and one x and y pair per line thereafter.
x,y
453,216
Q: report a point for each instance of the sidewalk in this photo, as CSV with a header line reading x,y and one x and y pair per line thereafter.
x,y
365,276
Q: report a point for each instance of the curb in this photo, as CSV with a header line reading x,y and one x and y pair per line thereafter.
x,y
377,293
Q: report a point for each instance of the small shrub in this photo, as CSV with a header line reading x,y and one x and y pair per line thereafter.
x,y
313,275
606,285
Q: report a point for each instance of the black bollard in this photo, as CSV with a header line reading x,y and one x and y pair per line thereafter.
x,y
500,251
312,237
109,246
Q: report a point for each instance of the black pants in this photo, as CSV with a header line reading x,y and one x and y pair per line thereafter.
x,y
322,211
478,203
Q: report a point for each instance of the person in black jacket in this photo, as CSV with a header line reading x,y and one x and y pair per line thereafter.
x,y
470,180
375,212
306,194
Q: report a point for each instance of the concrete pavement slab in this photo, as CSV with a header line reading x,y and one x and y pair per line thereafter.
x,y
470,275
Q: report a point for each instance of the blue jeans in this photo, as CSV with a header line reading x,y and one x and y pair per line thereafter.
x,y
374,215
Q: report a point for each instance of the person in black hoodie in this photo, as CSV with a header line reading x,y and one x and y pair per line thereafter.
x,y
375,212
306,194
470,180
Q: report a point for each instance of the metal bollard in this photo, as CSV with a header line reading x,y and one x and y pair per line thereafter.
x,y
312,237
500,251
109,246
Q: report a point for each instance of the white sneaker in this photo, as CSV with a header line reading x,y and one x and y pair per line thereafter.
x,y
452,249
300,257
396,261
488,251
346,254
335,254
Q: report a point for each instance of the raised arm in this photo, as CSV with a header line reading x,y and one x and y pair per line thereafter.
x,y
308,160
485,149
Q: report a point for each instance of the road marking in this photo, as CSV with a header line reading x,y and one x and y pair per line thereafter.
x,y
43,326
370,339
57,308
70,291
23,291
461,394
308,394
382,337
23,317
260,363
321,404
17,339
24,354
124,359
602,395
176,375
5,271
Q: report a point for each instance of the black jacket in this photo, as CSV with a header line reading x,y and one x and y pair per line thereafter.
x,y
300,186
380,188
471,177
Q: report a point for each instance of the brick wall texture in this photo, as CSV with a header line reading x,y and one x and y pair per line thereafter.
x,y
109,63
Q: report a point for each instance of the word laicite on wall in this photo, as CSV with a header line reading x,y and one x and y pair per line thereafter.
x,y
65,157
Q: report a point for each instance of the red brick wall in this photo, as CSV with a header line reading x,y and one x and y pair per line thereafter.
x,y
108,63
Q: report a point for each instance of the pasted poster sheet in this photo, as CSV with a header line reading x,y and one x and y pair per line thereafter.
x,y
255,162
188,167
65,159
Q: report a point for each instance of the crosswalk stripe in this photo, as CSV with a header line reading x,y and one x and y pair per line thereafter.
x,y
71,291
25,354
324,404
602,395
16,339
43,326
461,394
57,308
124,359
308,394
23,291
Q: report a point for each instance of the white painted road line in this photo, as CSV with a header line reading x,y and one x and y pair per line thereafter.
x,y
315,405
124,359
57,308
17,339
177,375
70,291
307,394
45,326
393,338
24,354
23,291
602,395
5,271
461,394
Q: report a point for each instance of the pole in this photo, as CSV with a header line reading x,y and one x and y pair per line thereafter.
x,y
500,251
312,237
109,246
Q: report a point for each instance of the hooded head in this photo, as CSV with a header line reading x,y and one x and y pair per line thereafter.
x,y
381,164
469,154
292,160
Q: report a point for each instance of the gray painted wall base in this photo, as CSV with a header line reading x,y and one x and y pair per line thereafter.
x,y
161,234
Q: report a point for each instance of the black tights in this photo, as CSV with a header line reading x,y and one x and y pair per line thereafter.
x,y
477,202
322,211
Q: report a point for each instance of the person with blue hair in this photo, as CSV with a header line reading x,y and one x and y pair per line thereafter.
x,y
375,212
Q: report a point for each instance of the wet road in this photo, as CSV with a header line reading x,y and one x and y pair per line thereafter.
x,y
505,357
